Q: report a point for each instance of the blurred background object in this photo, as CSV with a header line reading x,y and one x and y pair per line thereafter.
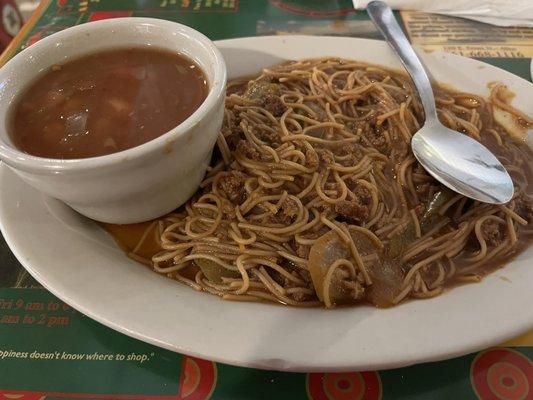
x,y
496,12
11,20
26,7
13,14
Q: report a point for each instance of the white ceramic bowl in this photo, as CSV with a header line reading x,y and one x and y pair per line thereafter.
x,y
140,183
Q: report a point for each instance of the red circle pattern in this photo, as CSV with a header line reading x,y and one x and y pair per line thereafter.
x,y
502,374
198,379
344,386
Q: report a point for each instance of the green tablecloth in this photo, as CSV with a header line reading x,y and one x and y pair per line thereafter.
x,y
48,350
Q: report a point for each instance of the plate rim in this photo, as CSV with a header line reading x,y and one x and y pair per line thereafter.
x,y
299,366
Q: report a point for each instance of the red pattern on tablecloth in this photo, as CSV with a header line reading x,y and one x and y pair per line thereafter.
x,y
198,379
502,374
344,386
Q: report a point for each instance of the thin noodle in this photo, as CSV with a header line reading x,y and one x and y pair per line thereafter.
x,y
314,188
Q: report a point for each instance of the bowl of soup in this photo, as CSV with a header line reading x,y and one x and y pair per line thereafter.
x,y
116,118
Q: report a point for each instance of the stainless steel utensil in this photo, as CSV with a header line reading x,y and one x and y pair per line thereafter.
x,y
456,160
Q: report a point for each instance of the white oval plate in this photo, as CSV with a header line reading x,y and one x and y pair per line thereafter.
x,y
80,264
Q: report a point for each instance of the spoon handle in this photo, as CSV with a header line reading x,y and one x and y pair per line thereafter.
x,y
381,14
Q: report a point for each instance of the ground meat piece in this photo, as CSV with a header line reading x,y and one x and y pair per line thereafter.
x,y
357,210
374,134
311,159
232,184
237,89
287,212
299,296
363,195
228,210
259,89
222,232
352,126
376,138
324,207
352,211
325,156
272,138
273,104
350,149
233,134
492,233
355,288
351,153
399,147
248,150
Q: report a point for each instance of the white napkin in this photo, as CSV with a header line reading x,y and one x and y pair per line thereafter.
x,y
496,12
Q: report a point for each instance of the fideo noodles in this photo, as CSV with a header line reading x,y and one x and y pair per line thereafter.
x,y
314,196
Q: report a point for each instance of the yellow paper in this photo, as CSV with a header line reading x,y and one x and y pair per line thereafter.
x,y
467,38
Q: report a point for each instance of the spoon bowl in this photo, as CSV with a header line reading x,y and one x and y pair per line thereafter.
x,y
462,164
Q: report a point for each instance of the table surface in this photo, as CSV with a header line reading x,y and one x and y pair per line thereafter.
x,y
50,351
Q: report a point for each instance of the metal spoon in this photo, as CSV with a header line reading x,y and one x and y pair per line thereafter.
x,y
456,160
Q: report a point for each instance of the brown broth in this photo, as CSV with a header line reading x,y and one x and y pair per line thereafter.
x,y
106,102
128,236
